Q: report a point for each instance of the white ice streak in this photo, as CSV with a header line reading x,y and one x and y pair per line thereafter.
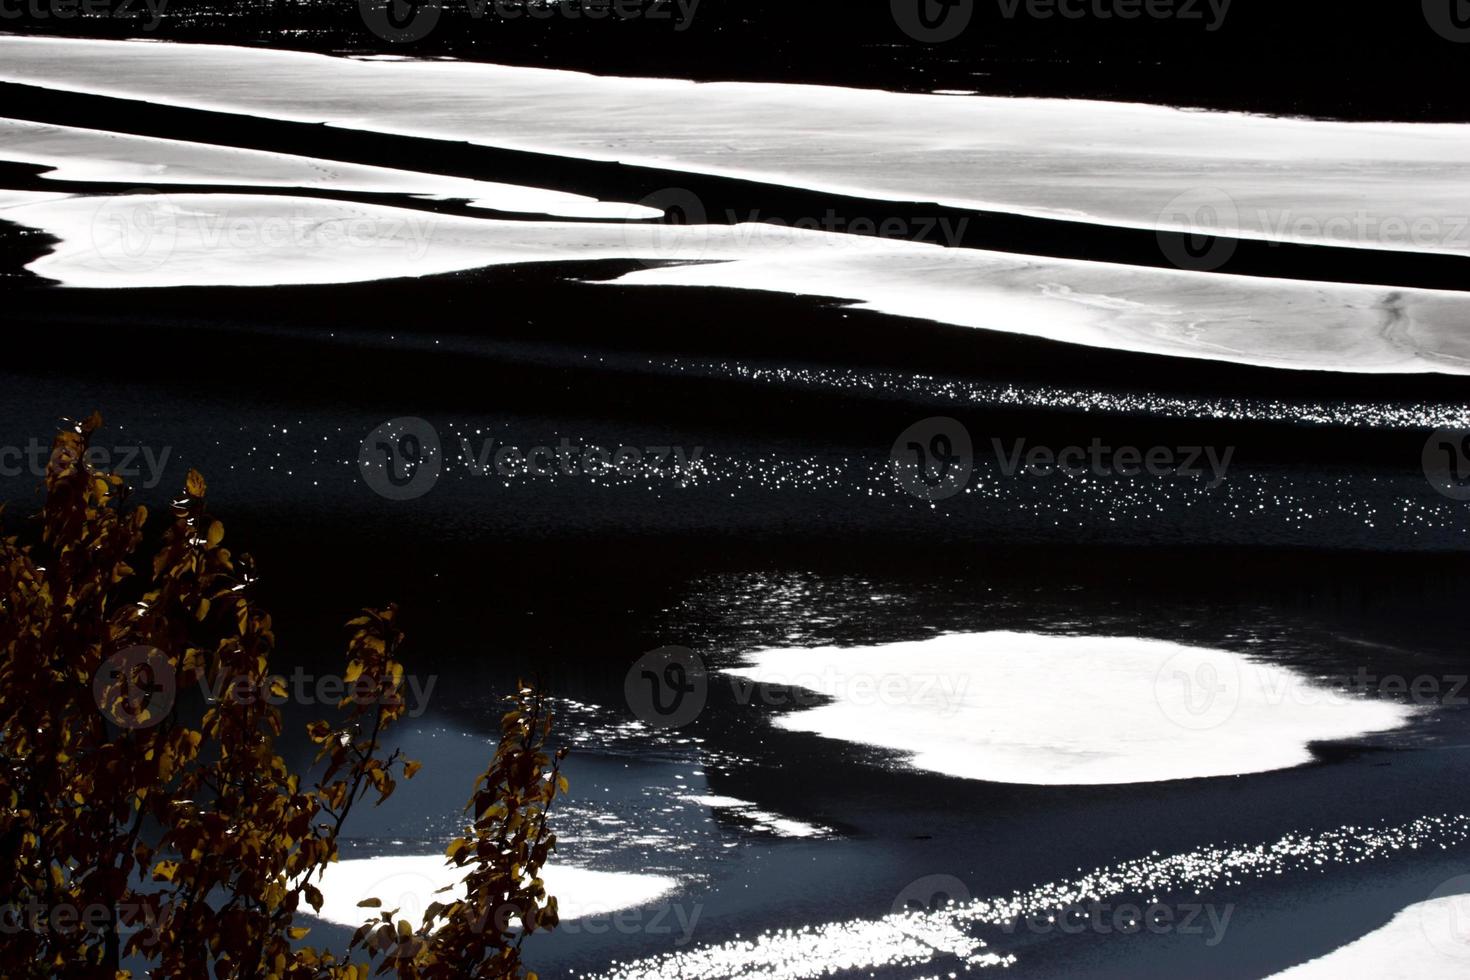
x,y
143,162
1388,185
252,240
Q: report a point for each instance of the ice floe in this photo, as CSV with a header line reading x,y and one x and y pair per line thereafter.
x,y
254,240
1426,941
410,883
1067,710
1388,185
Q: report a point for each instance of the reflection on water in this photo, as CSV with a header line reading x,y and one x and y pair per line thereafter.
x,y
640,799
791,846
946,938
759,819
1067,710
1257,501
958,392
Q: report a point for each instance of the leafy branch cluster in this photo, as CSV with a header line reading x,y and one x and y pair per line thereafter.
x,y
137,827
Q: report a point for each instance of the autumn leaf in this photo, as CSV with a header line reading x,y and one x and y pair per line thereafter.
x,y
194,484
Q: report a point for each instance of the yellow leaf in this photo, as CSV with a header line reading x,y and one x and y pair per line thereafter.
x,y
194,484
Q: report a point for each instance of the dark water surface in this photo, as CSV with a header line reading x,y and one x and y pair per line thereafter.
x,y
776,521
1325,551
